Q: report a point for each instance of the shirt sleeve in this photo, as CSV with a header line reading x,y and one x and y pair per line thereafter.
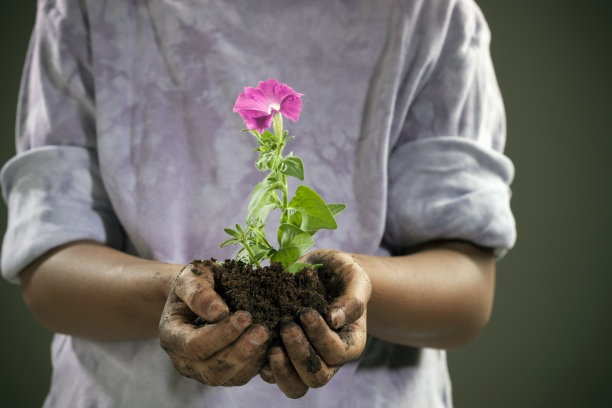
x,y
448,177
53,187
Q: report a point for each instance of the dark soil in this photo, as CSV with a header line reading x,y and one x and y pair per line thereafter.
x,y
272,295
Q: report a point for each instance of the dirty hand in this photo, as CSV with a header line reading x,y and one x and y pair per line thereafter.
x,y
315,351
227,350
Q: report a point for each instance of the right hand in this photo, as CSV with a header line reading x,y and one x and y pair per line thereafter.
x,y
228,350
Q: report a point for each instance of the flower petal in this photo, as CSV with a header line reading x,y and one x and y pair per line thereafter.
x,y
275,92
252,99
253,119
291,107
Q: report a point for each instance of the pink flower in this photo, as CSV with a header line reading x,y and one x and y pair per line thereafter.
x,y
258,105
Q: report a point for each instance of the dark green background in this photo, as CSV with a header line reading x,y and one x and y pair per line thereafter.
x,y
547,344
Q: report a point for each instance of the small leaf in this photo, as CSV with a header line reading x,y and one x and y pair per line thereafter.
x,y
336,209
260,252
260,238
260,212
297,266
254,132
263,161
243,256
231,232
293,167
228,242
293,243
292,216
263,200
268,136
239,228
315,213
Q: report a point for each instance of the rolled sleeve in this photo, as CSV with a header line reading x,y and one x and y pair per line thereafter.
x,y
53,187
450,188
55,195
448,177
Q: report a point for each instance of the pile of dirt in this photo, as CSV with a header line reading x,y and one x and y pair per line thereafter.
x,y
272,295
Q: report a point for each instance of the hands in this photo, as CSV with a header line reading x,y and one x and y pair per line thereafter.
x,y
314,352
228,350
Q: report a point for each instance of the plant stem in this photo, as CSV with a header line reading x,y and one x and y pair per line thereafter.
x,y
285,193
277,122
250,251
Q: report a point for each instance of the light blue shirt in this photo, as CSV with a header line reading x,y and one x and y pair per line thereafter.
x,y
126,136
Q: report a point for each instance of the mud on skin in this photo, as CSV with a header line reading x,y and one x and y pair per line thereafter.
x,y
270,294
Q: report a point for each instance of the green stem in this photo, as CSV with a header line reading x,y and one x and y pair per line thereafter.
x,y
285,193
250,251
277,122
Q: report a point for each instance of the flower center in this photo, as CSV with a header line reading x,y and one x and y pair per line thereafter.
x,y
274,106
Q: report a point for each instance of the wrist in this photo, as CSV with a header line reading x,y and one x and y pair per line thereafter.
x,y
165,276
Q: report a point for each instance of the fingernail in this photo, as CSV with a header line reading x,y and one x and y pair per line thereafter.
x,y
276,356
309,318
215,309
337,318
258,336
291,333
242,321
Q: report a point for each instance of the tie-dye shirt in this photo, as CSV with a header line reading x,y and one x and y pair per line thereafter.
x,y
125,136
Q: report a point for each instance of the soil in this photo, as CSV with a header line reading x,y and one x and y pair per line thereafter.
x,y
272,295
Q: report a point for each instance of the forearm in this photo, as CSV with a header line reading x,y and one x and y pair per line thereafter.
x,y
439,297
90,290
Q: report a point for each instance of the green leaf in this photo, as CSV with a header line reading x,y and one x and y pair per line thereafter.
x,y
260,252
293,167
263,201
260,237
315,213
297,266
254,132
243,256
239,228
268,137
260,212
293,243
231,232
228,242
336,209
292,216
264,161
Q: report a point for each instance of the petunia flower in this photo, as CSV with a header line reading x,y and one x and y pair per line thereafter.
x,y
258,105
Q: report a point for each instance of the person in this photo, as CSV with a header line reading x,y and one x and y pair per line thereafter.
x,y
130,163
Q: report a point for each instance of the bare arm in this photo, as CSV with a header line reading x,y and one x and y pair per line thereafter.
x,y
439,297
87,289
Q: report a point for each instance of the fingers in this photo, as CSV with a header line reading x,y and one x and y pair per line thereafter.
x,y
309,366
266,374
249,371
195,286
228,350
335,348
351,304
233,365
285,375
181,337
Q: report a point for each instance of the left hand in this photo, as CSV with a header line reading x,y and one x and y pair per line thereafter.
x,y
315,351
